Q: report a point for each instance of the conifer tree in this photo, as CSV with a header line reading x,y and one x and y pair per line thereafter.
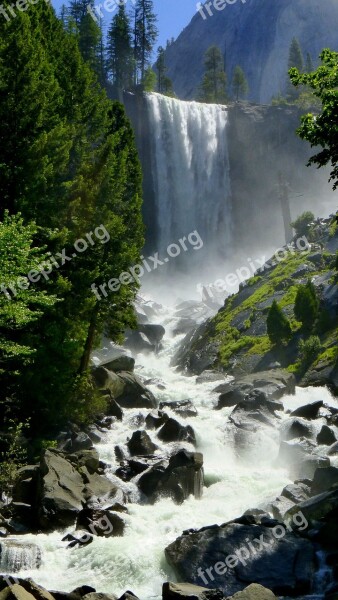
x,y
119,52
306,307
164,83
295,60
278,326
145,35
213,87
239,84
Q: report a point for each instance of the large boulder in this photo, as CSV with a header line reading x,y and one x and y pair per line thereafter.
x,y
101,523
324,479
60,492
122,362
140,444
296,428
300,458
232,556
177,478
326,436
173,431
125,387
309,411
275,384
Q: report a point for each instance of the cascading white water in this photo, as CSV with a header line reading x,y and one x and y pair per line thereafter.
x,y
190,167
136,561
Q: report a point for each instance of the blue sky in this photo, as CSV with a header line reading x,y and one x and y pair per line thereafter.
x,y
173,15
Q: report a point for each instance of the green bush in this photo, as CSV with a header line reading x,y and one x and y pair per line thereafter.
x,y
279,328
302,223
12,458
309,350
306,305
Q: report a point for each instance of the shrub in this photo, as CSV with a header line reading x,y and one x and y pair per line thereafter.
x,y
306,305
309,350
12,458
279,328
302,223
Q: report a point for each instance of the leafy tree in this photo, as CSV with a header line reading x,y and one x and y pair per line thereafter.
x,y
302,223
240,86
213,87
145,35
306,307
295,61
321,129
119,52
149,80
278,326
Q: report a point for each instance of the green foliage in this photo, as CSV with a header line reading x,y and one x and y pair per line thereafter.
x,y
120,55
12,458
68,161
295,61
145,35
164,83
278,326
149,80
302,223
240,87
322,129
309,350
306,305
213,86
279,100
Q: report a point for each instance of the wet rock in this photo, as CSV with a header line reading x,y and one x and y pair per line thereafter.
x,y
333,449
135,394
309,411
326,436
182,591
184,326
130,468
101,523
184,408
114,409
140,444
298,456
172,431
274,383
78,538
285,565
99,596
86,458
94,434
178,478
98,489
231,398
323,480
256,407
296,428
297,492
128,595
154,333
209,376
156,419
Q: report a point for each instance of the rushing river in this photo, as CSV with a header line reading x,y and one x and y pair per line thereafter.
x,y
136,561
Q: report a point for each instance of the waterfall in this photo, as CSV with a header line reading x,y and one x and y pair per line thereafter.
x,y
17,556
190,167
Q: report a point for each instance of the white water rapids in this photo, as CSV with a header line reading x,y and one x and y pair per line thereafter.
x,y
136,561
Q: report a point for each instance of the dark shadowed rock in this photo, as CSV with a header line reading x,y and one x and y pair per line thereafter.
x,y
323,480
326,436
140,444
172,431
81,441
297,428
286,566
309,411
156,419
101,523
124,362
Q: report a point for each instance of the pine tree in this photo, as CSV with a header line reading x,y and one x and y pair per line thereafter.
x,y
213,87
240,85
309,68
145,34
295,60
164,83
278,326
306,307
119,52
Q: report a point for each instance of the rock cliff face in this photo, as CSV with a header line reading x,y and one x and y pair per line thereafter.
x,y
255,35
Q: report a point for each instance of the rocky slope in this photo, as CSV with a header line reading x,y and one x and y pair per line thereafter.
x,y
255,35
236,338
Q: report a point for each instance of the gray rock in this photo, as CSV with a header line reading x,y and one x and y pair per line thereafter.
x,y
182,591
172,431
297,428
184,408
81,441
324,479
309,411
124,362
254,592
156,419
125,387
288,569
101,523
140,444
326,436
